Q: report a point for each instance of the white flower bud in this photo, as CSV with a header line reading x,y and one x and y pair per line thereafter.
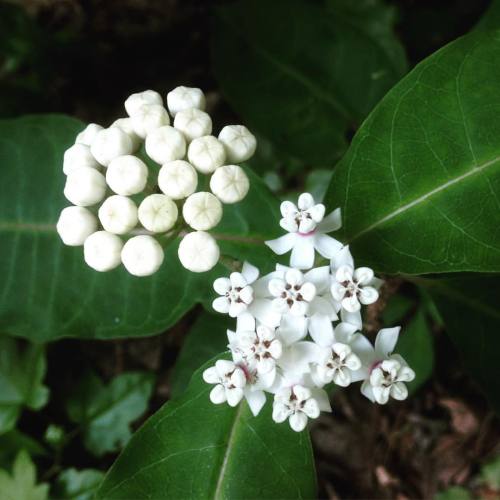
x,y
149,117
193,123
178,179
127,175
165,144
118,214
75,224
206,154
135,101
142,255
109,144
198,252
88,134
102,251
126,125
239,142
229,183
77,156
202,211
85,186
182,98
158,213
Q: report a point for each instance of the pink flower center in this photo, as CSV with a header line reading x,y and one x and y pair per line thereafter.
x,y
307,234
376,364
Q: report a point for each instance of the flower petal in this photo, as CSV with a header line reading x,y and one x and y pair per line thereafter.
x,y
299,308
276,287
386,341
237,280
292,329
236,308
264,312
305,201
317,212
399,391
250,272
234,396
321,397
368,295
341,258
255,400
245,322
344,332
288,209
280,412
306,225
344,273
326,245
332,222
367,390
289,224
294,277
338,291
321,330
221,304
211,376
352,317
363,348
363,275
218,394
246,294
351,304
298,421
222,285
311,408
319,277
283,244
303,252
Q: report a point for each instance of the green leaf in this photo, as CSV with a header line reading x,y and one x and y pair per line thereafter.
x,y
302,74
192,448
206,338
13,442
490,474
77,484
469,308
417,348
397,308
105,413
47,291
453,493
420,185
22,369
21,484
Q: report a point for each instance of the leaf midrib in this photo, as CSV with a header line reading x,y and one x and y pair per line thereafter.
x,y
424,197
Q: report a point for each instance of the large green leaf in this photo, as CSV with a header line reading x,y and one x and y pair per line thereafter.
x,y
105,413
22,369
420,184
192,448
302,74
47,291
469,308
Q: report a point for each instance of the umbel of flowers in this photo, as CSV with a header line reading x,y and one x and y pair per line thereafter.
x,y
299,327
122,211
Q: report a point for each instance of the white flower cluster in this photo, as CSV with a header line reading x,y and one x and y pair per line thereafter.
x,y
102,168
298,328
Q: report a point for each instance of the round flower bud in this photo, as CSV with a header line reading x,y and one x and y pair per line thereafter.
x,y
177,179
182,98
158,213
118,214
229,183
193,123
85,186
75,224
149,117
206,154
142,255
127,175
126,125
239,142
135,101
87,135
165,144
77,156
109,144
202,211
198,252
102,251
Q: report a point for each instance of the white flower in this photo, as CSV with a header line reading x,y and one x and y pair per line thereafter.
x,y
337,363
110,143
292,293
77,156
296,404
158,213
165,144
178,179
135,101
102,250
386,372
118,214
259,349
307,228
142,255
206,154
85,186
229,183
352,287
193,123
75,224
126,125
236,292
229,379
184,98
198,252
239,142
202,211
149,117
87,135
127,175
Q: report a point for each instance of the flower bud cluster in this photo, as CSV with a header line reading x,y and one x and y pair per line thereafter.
x,y
298,328
115,195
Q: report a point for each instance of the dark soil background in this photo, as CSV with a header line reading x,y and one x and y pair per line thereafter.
x,y
83,58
